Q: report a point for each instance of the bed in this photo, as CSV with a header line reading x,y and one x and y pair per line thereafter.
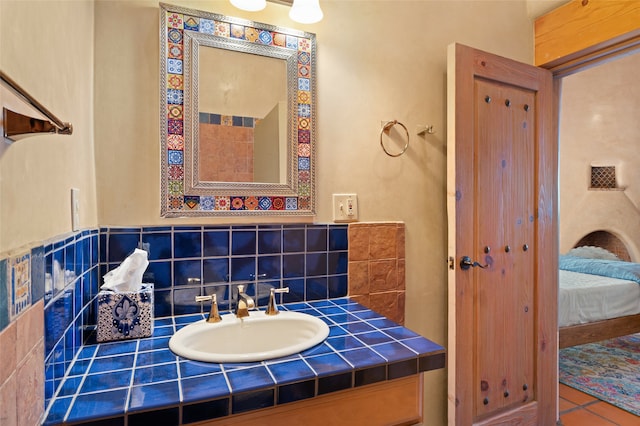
x,y
598,298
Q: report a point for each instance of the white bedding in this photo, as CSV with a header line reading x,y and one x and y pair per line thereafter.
x,y
584,298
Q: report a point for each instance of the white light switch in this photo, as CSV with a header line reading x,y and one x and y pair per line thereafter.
x,y
345,207
75,209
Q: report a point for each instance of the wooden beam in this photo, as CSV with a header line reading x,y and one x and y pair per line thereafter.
x,y
582,27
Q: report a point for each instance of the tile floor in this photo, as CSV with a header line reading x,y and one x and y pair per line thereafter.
x,y
579,409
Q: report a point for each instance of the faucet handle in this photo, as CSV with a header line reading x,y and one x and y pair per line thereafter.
x,y
214,315
272,308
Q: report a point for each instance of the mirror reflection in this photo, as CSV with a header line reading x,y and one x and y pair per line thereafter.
x,y
238,131
242,117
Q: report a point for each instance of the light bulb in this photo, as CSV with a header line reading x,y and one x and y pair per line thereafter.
x,y
306,11
250,5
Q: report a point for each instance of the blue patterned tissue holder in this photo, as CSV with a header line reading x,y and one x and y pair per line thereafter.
x,y
125,315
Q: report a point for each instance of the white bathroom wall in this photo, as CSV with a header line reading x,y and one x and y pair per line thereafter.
x,y
47,47
599,126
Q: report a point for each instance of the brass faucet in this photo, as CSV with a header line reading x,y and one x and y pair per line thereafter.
x,y
272,308
245,302
214,315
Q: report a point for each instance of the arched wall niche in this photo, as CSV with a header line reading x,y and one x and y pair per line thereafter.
x,y
607,240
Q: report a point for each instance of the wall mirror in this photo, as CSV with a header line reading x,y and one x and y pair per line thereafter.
x,y
237,116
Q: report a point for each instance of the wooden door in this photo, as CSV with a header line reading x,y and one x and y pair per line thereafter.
x,y
501,192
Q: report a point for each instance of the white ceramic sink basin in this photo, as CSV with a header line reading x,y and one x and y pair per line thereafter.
x,y
254,338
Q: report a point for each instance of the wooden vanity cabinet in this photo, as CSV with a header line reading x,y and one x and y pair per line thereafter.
x,y
395,402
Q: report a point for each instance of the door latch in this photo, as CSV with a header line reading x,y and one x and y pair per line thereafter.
x,y
466,263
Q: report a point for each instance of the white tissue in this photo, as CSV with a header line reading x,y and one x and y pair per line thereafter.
x,y
127,276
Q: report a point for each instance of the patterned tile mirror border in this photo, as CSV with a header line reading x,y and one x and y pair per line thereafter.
x,y
182,32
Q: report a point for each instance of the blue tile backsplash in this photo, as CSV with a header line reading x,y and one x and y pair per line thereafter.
x,y
184,262
142,378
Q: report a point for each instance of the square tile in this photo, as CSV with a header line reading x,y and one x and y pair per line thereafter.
x,y
121,245
58,411
243,242
290,371
432,362
162,356
101,404
336,330
106,382
402,369
159,245
269,241
337,263
293,265
157,395
243,268
216,270
316,288
381,323
185,271
362,358
335,383
328,364
69,386
338,286
317,238
269,267
346,342
421,345
158,273
169,416
195,368
187,244
215,243
198,388
293,240
116,348
316,264
401,333
184,301
249,379
19,280
320,349
357,327
149,344
249,401
296,391
192,413
371,375
393,351
155,374
376,337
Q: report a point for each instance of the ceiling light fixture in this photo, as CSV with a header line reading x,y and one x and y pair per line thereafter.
x,y
250,5
302,11
306,11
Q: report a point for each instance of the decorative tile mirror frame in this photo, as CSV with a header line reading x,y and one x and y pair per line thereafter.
x,y
183,194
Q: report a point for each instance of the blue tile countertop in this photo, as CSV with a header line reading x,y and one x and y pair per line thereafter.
x,y
141,382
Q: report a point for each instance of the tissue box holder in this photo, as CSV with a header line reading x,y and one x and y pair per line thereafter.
x,y
125,315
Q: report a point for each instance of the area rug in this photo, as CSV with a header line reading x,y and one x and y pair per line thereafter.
x,y
608,370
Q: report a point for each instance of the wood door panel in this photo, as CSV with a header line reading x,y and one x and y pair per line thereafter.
x,y
504,328
501,201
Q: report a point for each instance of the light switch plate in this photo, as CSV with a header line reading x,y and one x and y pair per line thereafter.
x,y
75,209
345,207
